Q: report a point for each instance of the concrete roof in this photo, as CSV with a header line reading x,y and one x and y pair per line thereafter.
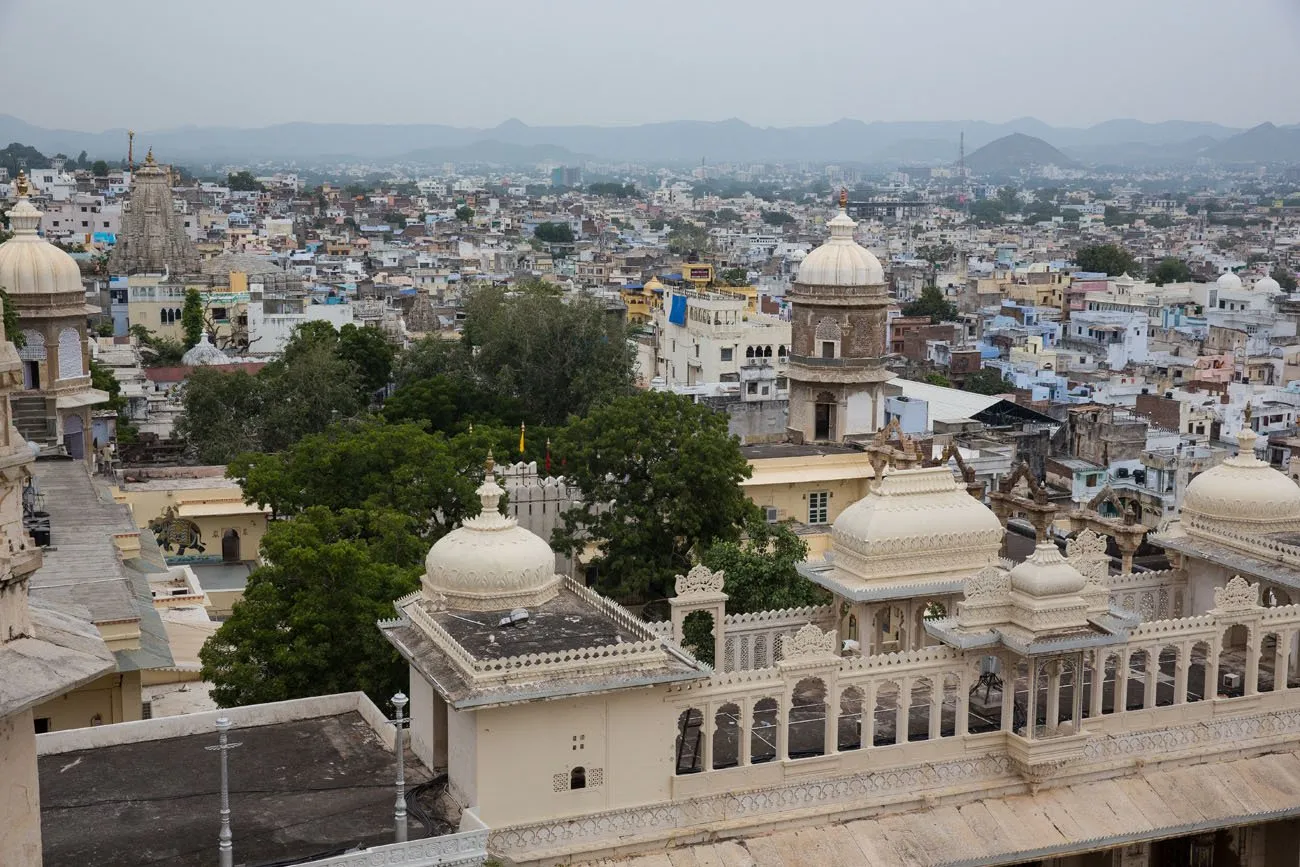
x,y
299,787
1074,819
946,404
63,652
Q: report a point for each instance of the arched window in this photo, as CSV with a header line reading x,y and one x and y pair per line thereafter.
x,y
578,778
767,352
780,351
749,352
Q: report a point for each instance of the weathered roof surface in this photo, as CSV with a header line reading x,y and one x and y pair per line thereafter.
x,y
299,788
1055,822
64,652
1236,561
82,566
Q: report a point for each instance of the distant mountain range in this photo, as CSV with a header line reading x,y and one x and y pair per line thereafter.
x,y
689,142
1013,153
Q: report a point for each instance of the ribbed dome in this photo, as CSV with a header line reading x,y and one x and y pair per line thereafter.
x,y
1242,494
30,265
907,518
1268,286
1228,280
490,563
1046,573
841,261
203,354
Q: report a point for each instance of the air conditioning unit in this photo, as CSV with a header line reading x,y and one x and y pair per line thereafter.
x,y
770,514
1231,680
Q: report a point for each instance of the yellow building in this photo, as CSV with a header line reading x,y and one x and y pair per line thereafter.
x,y
808,484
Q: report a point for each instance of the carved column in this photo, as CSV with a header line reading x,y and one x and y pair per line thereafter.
x,y
903,711
1252,661
1152,674
1212,670
783,728
1121,681
1008,697
743,731
1098,682
1280,655
1031,709
830,735
936,710
961,723
1053,716
710,724
868,718
1181,664
1076,696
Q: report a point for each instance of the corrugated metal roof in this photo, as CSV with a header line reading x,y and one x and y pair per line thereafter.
x,y
946,404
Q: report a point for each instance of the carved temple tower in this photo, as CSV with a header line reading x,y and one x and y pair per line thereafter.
x,y
152,240
837,370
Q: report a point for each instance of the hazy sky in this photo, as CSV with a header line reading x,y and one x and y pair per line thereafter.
x,y
152,64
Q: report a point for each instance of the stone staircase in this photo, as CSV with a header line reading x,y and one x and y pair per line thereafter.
x,y
29,416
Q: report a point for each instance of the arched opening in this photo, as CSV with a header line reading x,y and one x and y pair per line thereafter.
x,y
890,630
767,352
1268,663
230,546
948,707
1063,713
985,698
74,436
33,356
762,732
749,352
1232,662
824,411
1197,671
1139,664
697,635
578,778
1166,675
690,727
885,715
726,736
919,710
807,726
780,352
850,722
1020,697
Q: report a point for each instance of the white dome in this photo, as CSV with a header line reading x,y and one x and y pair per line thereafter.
x,y
1228,280
490,563
1047,573
203,354
1268,285
908,516
30,265
841,261
1243,494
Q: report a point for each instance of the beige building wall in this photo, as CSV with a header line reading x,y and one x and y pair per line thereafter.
x,y
112,698
20,830
623,742
215,510
787,483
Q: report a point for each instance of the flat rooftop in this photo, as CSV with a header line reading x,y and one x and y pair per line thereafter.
x,y
564,623
299,789
759,451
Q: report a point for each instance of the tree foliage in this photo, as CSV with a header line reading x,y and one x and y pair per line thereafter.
x,y
986,380
1110,259
1285,278
1171,270
99,168
554,233
13,330
660,478
777,218
685,238
614,190
932,303
465,214
760,569
192,317
243,182
306,623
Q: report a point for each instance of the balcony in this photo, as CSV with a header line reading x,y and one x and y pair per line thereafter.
x,y
850,363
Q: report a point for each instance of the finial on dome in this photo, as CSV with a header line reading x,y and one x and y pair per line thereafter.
x,y
491,464
148,157
21,185
844,198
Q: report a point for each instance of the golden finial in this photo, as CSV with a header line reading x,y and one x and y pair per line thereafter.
x,y
148,158
844,198
21,185
1248,414
490,465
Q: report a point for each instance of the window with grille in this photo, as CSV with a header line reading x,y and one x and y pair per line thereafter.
x,y
818,506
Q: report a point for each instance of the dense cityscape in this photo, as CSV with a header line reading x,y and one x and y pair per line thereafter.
x,y
679,492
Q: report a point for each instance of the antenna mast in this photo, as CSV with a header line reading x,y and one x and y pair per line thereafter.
x,y
130,150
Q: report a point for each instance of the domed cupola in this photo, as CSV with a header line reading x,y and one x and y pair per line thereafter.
x,y
30,265
1228,280
203,354
490,563
1242,495
841,261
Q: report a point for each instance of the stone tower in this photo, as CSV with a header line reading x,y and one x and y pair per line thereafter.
x,y
44,285
152,240
838,317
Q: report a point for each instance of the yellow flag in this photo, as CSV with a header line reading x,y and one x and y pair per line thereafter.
x,y
521,438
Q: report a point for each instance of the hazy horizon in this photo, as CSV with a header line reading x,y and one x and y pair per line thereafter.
x,y
153,66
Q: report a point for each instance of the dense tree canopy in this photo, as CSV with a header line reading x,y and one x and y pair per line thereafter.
x,y
618,191
777,218
1108,259
986,380
192,317
932,303
1171,270
306,623
243,182
760,569
660,478
1285,278
554,233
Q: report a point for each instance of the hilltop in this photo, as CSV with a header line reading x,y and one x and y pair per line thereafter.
x,y
1014,153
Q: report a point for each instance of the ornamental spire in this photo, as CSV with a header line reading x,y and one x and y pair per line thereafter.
x,y
844,198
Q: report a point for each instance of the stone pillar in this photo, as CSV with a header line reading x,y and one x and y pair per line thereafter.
x,y
1181,666
936,710
1280,662
1053,716
710,723
830,736
1008,697
783,729
1098,682
1252,661
868,719
1076,696
1031,709
1150,678
1212,671
902,711
1121,681
961,724
746,722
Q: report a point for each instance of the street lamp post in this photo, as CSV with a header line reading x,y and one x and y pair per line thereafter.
x,y
225,844
399,747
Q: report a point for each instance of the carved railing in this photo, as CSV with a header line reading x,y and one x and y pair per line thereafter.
x,y
1160,595
752,640
466,849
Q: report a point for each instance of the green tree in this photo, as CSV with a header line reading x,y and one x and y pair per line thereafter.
x,y
192,317
777,218
937,379
221,414
932,303
554,233
615,190
1285,278
686,238
1108,259
1171,270
306,623
1159,221
99,168
368,464
660,480
370,354
760,569
986,380
13,330
451,405
243,182
465,213
734,277
1009,199
306,395
102,378
727,215
988,212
